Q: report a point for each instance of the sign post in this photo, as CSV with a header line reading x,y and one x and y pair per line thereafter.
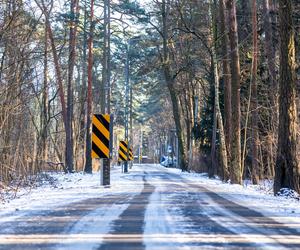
x,y
123,151
101,143
125,154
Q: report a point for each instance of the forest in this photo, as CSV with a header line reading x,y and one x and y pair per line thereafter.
x,y
221,75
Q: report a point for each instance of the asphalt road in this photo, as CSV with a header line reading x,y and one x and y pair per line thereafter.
x,y
169,213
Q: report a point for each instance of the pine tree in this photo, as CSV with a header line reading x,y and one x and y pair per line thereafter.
x,y
287,169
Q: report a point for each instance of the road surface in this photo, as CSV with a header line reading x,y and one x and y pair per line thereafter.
x,y
168,212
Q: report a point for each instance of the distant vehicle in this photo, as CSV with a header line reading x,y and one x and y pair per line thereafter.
x,y
163,158
168,162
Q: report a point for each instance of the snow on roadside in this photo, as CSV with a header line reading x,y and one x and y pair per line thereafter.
x,y
92,227
67,188
73,187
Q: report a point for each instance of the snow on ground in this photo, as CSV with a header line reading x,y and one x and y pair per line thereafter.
x,y
67,188
73,187
162,220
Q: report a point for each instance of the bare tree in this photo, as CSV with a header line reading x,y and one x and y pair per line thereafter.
x,y
218,120
226,77
170,80
254,106
88,154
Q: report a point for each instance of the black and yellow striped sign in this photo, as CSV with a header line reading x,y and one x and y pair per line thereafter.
x,y
122,150
101,136
131,155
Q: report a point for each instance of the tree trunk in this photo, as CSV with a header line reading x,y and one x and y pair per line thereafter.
x,y
235,169
108,54
88,155
44,115
226,78
273,85
287,169
58,73
218,120
83,89
269,45
170,84
104,60
254,112
56,66
213,155
70,87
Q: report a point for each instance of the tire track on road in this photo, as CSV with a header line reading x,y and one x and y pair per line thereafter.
x,y
247,219
195,220
127,231
51,222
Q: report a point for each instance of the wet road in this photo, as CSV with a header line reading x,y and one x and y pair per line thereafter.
x,y
167,213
